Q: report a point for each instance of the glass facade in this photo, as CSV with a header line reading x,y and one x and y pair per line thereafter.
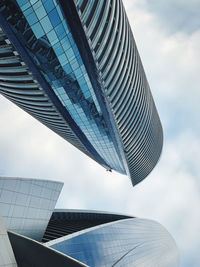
x,y
85,79
57,58
26,205
129,242
18,84
30,253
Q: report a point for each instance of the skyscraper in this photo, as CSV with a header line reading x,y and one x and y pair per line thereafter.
x,y
74,66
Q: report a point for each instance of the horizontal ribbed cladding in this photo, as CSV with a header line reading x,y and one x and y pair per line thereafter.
x,y
63,223
17,84
124,84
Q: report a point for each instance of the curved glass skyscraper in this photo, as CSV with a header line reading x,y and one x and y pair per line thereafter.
x,y
74,66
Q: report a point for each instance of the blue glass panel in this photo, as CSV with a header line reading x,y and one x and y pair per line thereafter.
x,y
22,2
37,29
54,17
25,6
46,24
33,1
58,49
128,242
60,31
58,58
52,36
32,19
49,5
67,68
28,11
40,12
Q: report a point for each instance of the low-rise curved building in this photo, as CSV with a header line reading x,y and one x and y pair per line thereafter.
x,y
74,66
112,240
43,236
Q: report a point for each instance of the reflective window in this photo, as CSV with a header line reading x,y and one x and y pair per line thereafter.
x,y
129,242
57,55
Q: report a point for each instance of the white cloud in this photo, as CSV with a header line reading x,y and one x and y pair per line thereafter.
x,y
171,194
174,15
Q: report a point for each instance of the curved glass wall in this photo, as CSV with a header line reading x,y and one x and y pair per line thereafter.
x,y
130,242
55,53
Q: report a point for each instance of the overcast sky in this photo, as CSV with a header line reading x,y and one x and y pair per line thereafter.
x,y
167,34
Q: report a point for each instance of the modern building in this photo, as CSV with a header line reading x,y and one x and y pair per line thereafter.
x,y
74,66
43,236
7,257
31,253
112,240
26,205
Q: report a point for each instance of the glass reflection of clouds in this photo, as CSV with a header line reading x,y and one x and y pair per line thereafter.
x,y
56,55
129,242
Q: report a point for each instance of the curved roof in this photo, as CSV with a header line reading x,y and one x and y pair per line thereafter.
x,y
127,242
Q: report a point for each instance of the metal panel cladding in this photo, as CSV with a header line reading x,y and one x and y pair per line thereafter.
x,y
129,242
26,205
7,257
75,67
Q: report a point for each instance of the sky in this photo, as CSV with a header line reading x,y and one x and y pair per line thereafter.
x,y
167,34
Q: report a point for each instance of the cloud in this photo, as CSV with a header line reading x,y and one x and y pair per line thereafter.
x,y
171,194
174,15
172,66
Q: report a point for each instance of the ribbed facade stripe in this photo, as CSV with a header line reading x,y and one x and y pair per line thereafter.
x,y
64,222
125,86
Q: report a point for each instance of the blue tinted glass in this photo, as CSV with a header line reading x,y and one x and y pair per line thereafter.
x,y
32,19
46,24
65,43
60,31
63,59
55,19
40,12
58,49
33,1
28,11
52,36
25,6
37,29
49,5
62,66
67,68
126,243
22,2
